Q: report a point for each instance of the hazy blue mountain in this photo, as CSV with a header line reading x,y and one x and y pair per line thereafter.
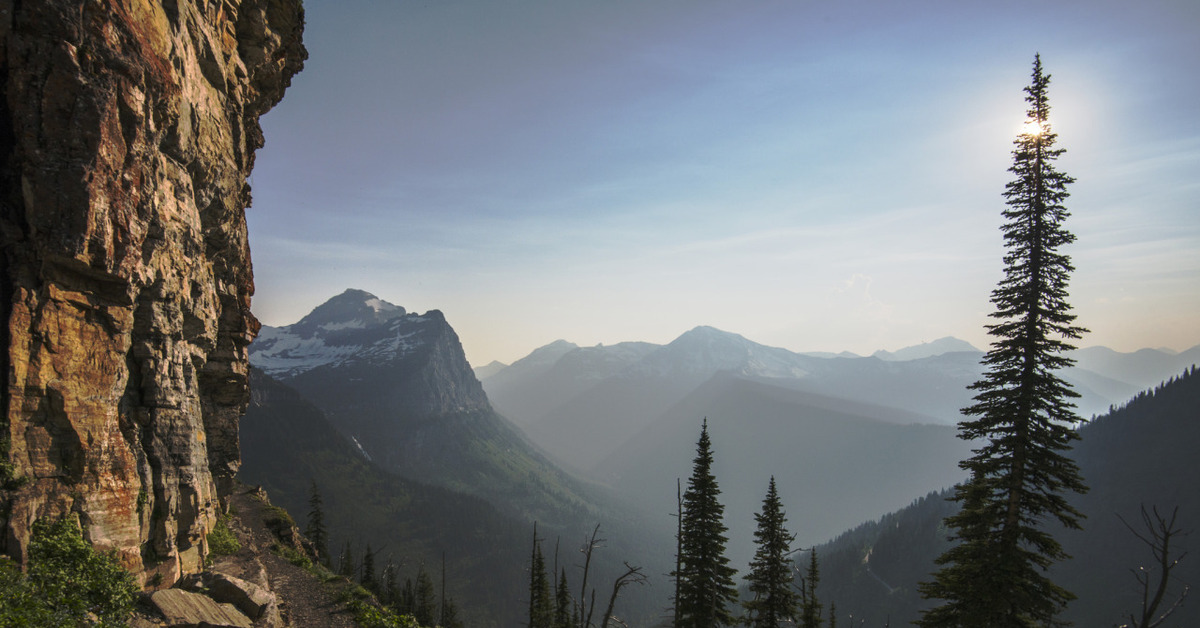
x,y
592,401
582,404
489,369
537,362
586,426
949,344
1143,453
934,387
835,462
1141,369
527,391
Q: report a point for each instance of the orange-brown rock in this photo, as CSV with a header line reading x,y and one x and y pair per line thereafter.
x,y
127,131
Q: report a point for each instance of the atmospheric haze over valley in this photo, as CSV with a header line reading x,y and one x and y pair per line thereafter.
x,y
569,435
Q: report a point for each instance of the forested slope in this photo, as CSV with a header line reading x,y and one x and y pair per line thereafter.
x,y
1142,453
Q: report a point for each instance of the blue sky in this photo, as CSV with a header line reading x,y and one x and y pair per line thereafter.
x,y
816,175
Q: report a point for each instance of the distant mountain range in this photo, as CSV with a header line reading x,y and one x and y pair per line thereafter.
x,y
564,395
845,437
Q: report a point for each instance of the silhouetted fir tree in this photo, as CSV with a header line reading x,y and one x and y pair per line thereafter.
x,y
315,530
367,580
810,605
541,604
425,604
832,615
563,613
705,579
346,565
770,575
996,575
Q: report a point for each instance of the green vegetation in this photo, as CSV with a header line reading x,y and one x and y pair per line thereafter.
x,y
9,480
368,615
221,540
1021,474
67,582
278,518
290,554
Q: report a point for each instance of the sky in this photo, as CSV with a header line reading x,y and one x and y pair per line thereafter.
x,y
813,175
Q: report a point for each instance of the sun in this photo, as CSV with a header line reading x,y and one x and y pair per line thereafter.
x,y
1035,128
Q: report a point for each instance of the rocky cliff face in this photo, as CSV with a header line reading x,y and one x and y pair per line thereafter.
x,y
127,131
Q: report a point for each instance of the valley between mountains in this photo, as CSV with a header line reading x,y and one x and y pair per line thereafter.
x,y
426,458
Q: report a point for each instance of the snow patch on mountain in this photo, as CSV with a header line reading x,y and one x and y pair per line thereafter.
x,y
278,351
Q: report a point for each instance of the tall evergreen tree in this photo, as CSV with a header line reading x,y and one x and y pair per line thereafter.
x,y
315,530
563,613
810,607
770,576
704,579
996,575
541,604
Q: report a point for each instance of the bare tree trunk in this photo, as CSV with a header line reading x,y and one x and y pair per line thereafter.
x,y
589,545
1159,532
631,575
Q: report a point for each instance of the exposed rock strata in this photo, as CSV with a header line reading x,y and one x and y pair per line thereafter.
x,y
127,131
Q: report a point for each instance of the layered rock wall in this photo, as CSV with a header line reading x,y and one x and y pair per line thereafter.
x,y
127,131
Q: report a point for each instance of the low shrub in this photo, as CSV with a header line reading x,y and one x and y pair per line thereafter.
x,y
67,583
221,540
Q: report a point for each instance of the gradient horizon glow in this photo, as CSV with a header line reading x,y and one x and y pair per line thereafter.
x,y
817,176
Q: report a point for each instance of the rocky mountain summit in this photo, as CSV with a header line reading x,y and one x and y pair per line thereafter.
x,y
127,133
373,350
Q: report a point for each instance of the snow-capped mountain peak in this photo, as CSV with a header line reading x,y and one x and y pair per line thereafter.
x,y
355,326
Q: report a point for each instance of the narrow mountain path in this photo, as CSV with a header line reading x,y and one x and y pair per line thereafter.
x,y
305,601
